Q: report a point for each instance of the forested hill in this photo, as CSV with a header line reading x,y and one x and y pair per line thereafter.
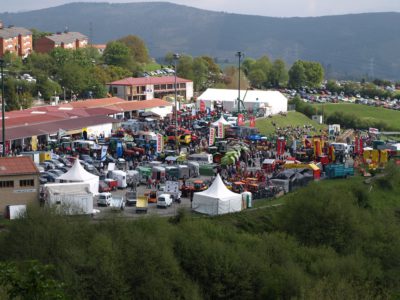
x,y
346,45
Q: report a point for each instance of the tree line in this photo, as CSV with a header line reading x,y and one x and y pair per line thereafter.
x,y
318,245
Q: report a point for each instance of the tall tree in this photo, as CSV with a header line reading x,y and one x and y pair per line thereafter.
x,y
297,75
118,54
279,75
138,48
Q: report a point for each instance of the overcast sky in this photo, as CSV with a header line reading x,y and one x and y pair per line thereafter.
x,y
275,8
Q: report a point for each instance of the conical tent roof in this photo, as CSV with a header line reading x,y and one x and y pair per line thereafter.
x,y
77,173
221,120
218,190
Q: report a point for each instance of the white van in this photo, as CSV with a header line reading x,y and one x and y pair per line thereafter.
x,y
202,158
104,199
164,200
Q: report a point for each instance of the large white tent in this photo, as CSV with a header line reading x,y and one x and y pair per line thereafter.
x,y
217,200
78,174
272,102
221,120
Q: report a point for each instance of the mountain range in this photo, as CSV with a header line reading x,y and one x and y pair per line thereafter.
x,y
348,46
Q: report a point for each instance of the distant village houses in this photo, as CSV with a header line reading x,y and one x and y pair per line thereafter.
x,y
65,40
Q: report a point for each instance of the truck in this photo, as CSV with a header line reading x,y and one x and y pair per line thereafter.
x,y
338,171
117,203
142,204
131,198
120,177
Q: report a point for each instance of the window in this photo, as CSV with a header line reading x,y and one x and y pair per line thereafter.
x,y
27,182
7,184
157,87
182,85
115,90
170,86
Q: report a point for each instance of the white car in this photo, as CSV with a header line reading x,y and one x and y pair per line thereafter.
x,y
164,200
104,199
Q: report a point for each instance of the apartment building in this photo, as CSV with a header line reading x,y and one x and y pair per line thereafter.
x,y
65,40
16,40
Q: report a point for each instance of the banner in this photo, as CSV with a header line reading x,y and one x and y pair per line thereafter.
x,y
373,131
202,106
280,146
34,143
220,130
160,143
103,154
211,137
119,149
240,120
252,121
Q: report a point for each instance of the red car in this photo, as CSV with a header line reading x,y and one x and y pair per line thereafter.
x,y
104,187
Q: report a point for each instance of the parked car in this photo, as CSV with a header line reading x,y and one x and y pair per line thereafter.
x,y
47,165
50,177
56,172
86,158
104,187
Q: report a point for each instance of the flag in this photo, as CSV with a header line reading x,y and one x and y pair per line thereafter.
x,y
220,130
240,120
160,143
252,121
103,152
211,137
202,106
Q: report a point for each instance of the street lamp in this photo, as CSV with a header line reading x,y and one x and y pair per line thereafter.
x,y
176,57
240,55
3,108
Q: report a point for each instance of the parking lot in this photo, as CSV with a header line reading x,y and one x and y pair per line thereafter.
x,y
130,211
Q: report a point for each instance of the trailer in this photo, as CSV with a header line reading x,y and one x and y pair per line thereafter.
x,y
338,171
15,211
69,198
120,177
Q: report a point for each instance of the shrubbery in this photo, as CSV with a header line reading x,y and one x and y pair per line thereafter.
x,y
327,242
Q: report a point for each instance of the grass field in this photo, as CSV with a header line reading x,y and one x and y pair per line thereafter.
x,y
391,117
151,67
293,118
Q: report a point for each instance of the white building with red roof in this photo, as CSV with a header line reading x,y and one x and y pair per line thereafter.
x,y
146,88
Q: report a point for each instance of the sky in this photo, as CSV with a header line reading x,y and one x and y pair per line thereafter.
x,y
273,8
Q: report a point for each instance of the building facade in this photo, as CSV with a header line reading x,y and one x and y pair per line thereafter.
x,y
146,88
65,40
17,40
19,181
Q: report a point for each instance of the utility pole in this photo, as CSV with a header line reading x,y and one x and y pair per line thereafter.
x,y
3,108
176,57
240,55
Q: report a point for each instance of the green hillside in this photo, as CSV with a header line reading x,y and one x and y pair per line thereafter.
x,y
365,112
334,239
292,118
343,44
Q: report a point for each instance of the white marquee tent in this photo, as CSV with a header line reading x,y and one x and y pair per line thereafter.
x,y
221,120
273,102
78,174
217,200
